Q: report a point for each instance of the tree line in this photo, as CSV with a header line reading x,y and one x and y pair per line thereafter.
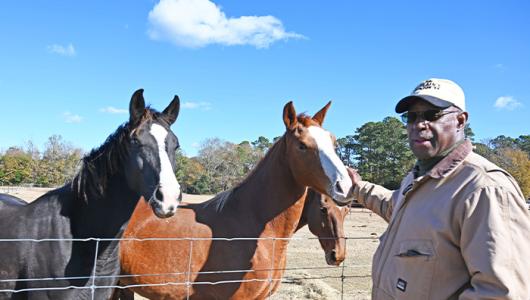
x,y
21,165
379,150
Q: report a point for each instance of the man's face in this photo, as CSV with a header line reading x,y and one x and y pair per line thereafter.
x,y
428,139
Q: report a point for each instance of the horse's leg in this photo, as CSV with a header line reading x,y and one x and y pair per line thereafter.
x,y
122,294
127,294
116,295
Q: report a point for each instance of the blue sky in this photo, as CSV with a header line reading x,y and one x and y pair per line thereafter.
x,y
70,67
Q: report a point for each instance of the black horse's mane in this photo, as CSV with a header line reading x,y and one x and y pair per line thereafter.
x,y
101,163
107,160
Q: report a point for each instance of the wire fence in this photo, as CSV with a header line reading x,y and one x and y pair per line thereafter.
x,y
292,274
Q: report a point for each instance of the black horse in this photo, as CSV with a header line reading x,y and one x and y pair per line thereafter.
x,y
136,161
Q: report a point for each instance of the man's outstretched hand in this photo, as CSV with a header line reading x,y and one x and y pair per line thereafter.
x,y
354,176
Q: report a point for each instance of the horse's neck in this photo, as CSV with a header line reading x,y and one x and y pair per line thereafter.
x,y
272,195
302,222
105,215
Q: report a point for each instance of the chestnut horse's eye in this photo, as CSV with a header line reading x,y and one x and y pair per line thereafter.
x,y
302,146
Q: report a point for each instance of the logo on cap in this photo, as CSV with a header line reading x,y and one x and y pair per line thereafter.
x,y
427,85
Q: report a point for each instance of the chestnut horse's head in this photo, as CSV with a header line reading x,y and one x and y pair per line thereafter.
x,y
312,157
326,221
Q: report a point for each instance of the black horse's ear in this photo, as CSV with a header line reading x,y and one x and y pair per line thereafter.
x,y
321,114
137,106
289,115
172,110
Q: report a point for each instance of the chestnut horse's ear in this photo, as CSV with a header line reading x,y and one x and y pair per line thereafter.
x,y
289,115
172,110
137,106
320,115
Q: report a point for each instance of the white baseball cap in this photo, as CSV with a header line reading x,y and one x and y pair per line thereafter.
x,y
438,92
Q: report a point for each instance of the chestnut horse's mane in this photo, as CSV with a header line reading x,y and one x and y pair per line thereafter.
x,y
221,199
306,120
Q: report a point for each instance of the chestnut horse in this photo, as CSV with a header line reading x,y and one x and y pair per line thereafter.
x,y
260,215
134,162
323,217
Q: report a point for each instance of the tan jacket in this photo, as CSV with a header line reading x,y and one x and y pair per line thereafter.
x,y
461,231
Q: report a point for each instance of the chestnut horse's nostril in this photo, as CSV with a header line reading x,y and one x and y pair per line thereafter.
x,y
338,187
158,194
334,255
171,208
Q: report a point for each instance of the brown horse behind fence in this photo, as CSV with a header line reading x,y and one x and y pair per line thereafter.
x,y
323,217
325,220
267,205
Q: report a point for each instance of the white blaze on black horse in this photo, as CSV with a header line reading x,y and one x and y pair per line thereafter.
x,y
137,161
168,189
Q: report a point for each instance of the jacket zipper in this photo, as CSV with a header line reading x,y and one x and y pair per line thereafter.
x,y
391,226
385,250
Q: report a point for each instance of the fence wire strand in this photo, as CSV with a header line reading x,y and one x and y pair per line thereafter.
x,y
189,274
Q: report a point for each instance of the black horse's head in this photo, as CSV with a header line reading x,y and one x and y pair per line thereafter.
x,y
150,169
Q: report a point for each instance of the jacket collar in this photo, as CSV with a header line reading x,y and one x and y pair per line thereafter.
x,y
451,161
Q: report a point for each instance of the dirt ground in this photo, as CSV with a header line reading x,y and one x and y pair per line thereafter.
x,y
307,275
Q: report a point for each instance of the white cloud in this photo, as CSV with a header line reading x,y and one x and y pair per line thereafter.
x,y
500,67
72,118
197,105
68,50
507,102
197,23
113,110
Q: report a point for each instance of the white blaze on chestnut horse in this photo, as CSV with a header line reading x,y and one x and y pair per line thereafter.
x,y
267,204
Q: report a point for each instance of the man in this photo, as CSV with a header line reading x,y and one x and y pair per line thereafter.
x,y
458,226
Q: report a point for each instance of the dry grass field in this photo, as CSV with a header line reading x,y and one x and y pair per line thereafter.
x,y
308,276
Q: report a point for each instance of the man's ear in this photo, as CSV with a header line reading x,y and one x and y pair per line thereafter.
x,y
461,118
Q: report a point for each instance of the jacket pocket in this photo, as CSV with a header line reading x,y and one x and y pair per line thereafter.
x,y
414,263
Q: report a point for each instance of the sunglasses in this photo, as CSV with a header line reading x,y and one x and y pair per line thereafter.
x,y
428,115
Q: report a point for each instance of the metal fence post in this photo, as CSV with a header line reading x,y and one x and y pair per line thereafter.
x,y
93,286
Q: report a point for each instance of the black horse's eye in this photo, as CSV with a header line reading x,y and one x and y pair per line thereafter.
x,y
135,141
323,210
302,146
